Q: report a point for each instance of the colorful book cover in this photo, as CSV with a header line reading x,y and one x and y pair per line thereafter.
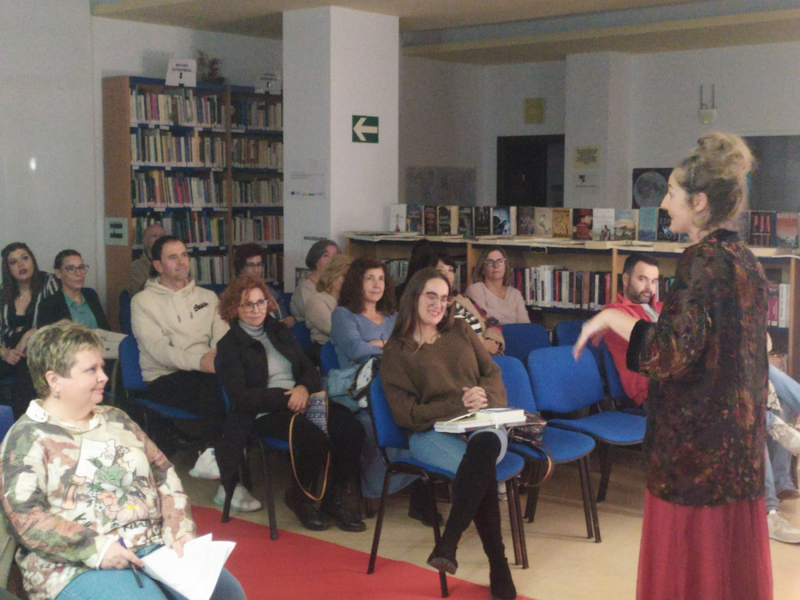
x,y
603,224
501,220
397,217
562,225
762,228
582,219
648,224
431,220
625,223
664,234
444,220
526,220
543,221
483,220
414,214
465,224
786,229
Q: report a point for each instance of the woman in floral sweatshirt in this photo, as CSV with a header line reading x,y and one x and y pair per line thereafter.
x,y
86,492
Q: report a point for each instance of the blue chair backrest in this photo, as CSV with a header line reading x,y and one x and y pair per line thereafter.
x,y
6,420
521,338
517,383
287,298
567,332
129,364
217,288
562,384
328,359
302,334
387,432
615,389
222,387
125,313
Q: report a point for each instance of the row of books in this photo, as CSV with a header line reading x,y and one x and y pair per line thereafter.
x,y
208,270
180,106
260,154
758,228
273,266
778,308
398,269
160,188
193,228
259,228
156,147
257,114
258,192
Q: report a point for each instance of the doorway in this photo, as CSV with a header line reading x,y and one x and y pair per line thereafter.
x,y
530,170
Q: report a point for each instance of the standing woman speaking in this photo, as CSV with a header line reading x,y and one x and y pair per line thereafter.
x,y
705,529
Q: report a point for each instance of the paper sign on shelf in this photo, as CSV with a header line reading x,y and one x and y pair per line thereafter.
x,y
182,72
269,82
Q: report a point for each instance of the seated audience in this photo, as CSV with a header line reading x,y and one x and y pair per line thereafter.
x,y
436,368
492,290
249,260
74,302
268,380
463,308
177,327
318,256
85,491
140,269
23,290
320,306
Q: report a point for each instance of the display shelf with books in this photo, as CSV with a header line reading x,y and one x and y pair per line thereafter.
x,y
205,162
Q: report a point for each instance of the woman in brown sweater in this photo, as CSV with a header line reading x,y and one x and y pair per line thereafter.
x,y
435,368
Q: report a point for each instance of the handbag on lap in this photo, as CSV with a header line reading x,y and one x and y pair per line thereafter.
x,y
317,413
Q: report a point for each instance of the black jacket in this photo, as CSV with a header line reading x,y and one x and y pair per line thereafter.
x,y
242,369
54,308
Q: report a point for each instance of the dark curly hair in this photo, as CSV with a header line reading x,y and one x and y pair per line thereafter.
x,y
231,298
10,289
241,255
352,294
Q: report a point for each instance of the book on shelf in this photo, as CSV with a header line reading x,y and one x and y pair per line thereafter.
x,y
414,218
582,219
431,221
465,221
786,229
483,220
501,220
603,224
543,221
512,219
762,228
398,217
257,192
773,304
626,224
562,224
446,224
648,224
664,233
489,417
526,220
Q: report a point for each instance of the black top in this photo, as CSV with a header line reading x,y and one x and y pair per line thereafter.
x,y
55,308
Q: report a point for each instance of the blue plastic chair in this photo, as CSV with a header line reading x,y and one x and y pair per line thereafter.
x,y
6,420
328,358
135,386
125,313
302,334
567,332
564,446
563,385
522,338
217,288
389,435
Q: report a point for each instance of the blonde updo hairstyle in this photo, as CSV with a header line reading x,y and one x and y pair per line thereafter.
x,y
718,168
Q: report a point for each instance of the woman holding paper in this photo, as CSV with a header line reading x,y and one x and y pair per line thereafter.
x,y
85,490
436,368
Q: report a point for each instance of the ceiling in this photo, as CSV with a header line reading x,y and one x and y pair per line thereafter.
x,y
503,31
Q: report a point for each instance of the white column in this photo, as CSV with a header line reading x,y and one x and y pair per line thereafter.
x,y
337,63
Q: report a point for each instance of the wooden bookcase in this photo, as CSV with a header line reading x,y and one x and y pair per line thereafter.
x,y
206,162
786,268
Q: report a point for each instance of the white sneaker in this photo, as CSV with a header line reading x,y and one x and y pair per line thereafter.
x,y
786,436
206,466
781,530
242,500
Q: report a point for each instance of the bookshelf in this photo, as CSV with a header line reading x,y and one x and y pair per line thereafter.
x,y
577,257
205,162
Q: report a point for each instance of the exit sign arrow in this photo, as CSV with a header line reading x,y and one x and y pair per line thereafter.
x,y
365,129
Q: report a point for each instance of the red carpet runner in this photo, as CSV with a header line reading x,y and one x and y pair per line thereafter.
x,y
299,567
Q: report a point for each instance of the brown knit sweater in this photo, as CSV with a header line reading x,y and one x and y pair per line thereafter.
x,y
426,385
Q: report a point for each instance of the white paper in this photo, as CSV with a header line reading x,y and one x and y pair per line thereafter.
x,y
194,575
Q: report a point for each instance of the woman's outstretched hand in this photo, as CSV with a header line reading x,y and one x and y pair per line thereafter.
x,y
594,329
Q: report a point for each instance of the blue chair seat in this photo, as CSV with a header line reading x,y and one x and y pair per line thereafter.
x,y
611,427
169,412
564,446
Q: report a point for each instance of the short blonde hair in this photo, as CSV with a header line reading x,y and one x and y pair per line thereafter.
x,y
338,265
54,348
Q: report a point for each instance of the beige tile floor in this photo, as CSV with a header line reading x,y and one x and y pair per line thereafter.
x,y
564,565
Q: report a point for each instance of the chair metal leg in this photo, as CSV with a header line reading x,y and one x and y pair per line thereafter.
x,y
517,529
376,537
589,505
604,451
533,491
437,535
273,521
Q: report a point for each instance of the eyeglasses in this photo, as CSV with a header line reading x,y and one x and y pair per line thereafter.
x,y
72,269
254,306
251,265
500,262
432,299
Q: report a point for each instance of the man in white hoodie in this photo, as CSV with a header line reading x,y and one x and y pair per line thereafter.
x,y
177,326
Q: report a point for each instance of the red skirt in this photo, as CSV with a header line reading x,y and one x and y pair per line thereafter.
x,y
704,553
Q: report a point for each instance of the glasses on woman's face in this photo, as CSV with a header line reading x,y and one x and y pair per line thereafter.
x,y
254,266
72,269
500,262
432,299
254,306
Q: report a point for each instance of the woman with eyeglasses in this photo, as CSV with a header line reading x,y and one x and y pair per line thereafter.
x,y
23,290
436,368
248,259
492,290
74,302
268,380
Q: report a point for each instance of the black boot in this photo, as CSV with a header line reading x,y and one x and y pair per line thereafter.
x,y
334,506
306,512
475,476
487,522
418,507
